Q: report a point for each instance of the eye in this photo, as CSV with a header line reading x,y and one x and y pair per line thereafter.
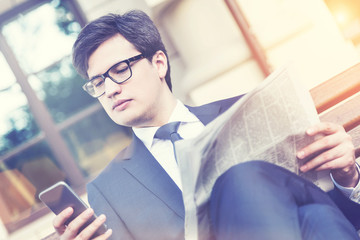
x,y
119,69
97,82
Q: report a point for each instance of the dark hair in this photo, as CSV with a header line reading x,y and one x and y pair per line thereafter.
x,y
135,26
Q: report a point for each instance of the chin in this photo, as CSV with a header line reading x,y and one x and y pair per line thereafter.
x,y
129,119
125,122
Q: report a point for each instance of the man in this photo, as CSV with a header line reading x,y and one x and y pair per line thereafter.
x,y
140,191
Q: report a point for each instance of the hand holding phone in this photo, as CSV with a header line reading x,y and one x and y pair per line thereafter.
x,y
60,197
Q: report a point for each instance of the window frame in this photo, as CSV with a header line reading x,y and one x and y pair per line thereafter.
x,y
37,106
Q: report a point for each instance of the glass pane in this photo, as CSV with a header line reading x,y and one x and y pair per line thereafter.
x,y
41,40
23,177
59,87
17,124
347,17
8,78
42,36
95,141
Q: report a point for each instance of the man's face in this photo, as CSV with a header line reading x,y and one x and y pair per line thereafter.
x,y
138,101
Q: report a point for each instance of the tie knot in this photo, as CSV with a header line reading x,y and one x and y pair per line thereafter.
x,y
168,132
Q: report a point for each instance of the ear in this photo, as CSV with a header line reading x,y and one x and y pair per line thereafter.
x,y
159,61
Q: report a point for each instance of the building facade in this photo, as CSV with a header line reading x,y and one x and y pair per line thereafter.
x,y
50,130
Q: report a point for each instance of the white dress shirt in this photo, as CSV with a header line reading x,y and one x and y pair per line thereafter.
x,y
161,149
191,127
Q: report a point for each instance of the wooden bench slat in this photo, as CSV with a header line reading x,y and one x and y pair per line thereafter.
x,y
355,134
346,114
338,100
336,89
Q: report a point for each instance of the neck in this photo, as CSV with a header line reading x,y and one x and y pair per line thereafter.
x,y
161,112
165,111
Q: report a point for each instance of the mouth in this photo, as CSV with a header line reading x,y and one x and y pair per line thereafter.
x,y
121,105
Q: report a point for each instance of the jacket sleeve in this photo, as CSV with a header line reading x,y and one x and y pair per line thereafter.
x,y
350,209
101,206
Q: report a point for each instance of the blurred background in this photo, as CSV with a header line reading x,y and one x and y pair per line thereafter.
x,y
50,130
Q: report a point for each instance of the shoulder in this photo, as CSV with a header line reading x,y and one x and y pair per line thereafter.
x,y
217,107
110,173
225,102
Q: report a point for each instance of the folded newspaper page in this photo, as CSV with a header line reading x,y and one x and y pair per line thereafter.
x,y
269,124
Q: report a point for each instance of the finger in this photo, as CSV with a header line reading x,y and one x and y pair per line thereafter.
x,y
340,163
322,159
104,236
93,227
60,219
322,144
324,128
74,226
330,159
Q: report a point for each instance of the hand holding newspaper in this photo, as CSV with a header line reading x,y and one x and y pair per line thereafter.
x,y
269,124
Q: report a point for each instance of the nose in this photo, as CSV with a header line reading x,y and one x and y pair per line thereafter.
x,y
112,88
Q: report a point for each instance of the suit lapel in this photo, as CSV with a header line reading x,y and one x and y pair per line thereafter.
x,y
144,167
206,113
210,111
140,163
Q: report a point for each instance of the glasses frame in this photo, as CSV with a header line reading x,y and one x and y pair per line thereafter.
x,y
106,74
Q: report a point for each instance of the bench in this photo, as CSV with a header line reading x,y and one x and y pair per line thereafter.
x,y
338,100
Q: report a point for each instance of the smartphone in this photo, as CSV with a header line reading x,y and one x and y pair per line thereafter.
x,y
60,196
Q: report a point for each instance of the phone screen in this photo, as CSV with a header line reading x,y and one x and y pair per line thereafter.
x,y
60,196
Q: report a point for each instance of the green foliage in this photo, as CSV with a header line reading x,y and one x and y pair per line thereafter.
x,y
62,90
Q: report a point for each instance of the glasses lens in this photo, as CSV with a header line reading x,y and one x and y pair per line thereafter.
x,y
120,72
95,87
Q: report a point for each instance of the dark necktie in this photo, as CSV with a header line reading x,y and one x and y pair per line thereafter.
x,y
169,132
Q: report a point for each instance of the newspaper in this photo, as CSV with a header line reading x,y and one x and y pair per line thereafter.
x,y
267,124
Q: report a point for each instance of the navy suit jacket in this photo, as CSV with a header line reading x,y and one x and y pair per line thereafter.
x,y
139,198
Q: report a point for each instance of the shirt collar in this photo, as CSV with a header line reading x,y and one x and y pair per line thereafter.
x,y
180,113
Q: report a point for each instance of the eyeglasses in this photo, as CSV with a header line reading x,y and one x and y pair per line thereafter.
x,y
118,73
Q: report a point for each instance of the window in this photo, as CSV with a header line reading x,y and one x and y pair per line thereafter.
x,y
347,15
50,129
